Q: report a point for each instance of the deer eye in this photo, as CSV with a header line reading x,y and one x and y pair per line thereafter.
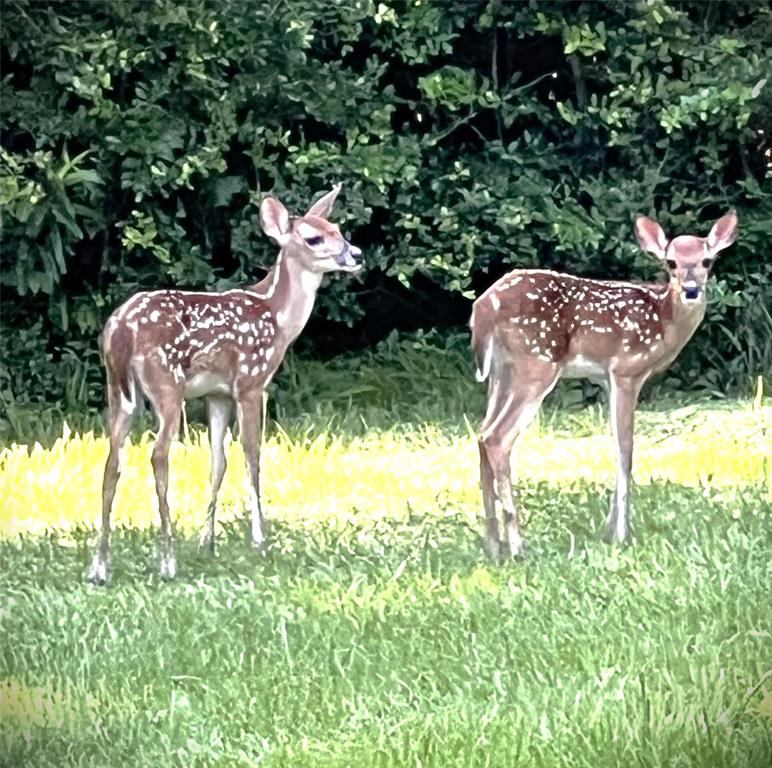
x,y
314,241
706,263
671,264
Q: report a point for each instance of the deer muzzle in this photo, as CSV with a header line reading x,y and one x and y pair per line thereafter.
x,y
350,258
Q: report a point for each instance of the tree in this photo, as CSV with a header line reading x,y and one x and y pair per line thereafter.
x,y
470,136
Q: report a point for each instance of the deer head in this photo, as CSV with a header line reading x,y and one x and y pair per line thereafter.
x,y
688,259
311,240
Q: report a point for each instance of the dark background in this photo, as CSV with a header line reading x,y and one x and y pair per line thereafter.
x,y
471,137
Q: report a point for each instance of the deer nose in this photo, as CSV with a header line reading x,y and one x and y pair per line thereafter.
x,y
350,257
691,290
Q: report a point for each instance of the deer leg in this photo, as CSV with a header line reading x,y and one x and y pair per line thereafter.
x,y
622,401
169,410
218,416
487,480
120,414
251,413
498,439
492,540
498,442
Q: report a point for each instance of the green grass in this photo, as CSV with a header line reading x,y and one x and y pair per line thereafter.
x,y
375,632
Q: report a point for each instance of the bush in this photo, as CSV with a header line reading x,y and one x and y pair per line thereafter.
x,y
471,137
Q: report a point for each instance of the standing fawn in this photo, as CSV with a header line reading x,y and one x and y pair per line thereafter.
x,y
171,345
533,327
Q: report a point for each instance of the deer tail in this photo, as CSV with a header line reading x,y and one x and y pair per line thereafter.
x,y
482,343
117,346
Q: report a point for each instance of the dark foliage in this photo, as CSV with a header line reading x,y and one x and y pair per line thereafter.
x,y
471,137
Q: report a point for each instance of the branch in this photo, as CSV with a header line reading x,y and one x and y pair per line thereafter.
x,y
495,79
462,120
581,88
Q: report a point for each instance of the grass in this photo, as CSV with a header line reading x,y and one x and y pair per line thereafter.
x,y
375,632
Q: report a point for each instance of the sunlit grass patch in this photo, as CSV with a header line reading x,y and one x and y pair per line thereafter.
x,y
320,478
24,707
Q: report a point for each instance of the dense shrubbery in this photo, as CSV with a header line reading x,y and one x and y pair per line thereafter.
x,y
470,136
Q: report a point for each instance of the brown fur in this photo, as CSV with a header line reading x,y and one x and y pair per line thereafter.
x,y
533,327
171,345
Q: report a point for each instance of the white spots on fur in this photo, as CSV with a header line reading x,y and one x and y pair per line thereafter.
x,y
549,312
194,336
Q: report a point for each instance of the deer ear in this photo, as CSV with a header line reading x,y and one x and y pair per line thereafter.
x,y
650,236
274,220
723,234
323,206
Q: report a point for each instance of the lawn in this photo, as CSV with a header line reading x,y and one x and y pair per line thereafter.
x,y
375,632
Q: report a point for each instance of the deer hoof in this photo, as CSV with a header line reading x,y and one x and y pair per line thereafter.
x,y
259,546
98,572
515,543
613,535
516,550
206,542
494,550
168,567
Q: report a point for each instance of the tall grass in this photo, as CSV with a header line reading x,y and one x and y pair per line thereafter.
x,y
375,632
317,477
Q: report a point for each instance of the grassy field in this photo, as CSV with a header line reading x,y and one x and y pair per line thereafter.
x,y
375,632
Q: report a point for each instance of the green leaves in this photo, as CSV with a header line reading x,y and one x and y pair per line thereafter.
x,y
48,202
450,86
471,138
584,39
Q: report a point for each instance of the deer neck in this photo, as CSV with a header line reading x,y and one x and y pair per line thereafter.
x,y
685,317
289,291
